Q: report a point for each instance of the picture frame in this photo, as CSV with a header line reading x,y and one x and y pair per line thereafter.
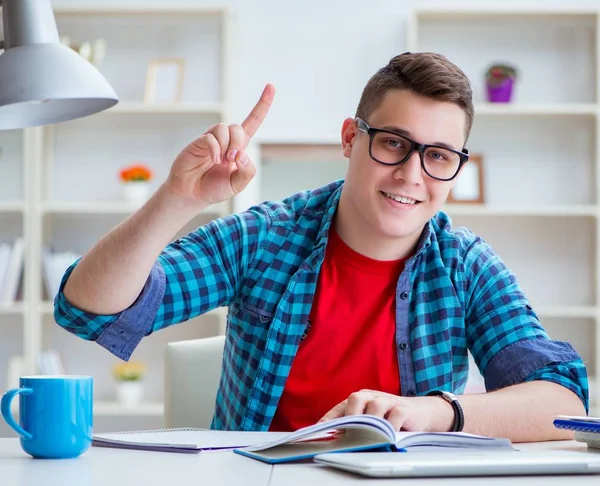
x,y
164,80
469,187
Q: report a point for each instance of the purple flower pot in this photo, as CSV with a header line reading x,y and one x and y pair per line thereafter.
x,y
500,93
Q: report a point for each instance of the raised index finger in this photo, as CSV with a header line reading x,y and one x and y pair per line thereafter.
x,y
258,114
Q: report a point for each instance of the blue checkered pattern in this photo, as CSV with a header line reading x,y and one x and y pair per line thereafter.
x,y
263,264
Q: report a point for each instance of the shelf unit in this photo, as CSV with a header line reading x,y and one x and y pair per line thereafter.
x,y
543,201
72,213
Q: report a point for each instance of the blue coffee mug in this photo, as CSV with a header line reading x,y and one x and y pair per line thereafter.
x,y
55,415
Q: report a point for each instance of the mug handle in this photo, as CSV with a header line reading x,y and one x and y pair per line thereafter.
x,y
6,413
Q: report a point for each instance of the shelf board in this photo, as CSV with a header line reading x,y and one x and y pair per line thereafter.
x,y
493,13
11,206
137,108
522,109
567,311
109,207
116,409
120,10
520,210
12,308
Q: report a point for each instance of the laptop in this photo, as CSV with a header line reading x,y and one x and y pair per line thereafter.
x,y
462,463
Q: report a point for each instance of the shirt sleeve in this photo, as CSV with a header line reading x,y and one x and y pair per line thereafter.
x,y
192,275
504,334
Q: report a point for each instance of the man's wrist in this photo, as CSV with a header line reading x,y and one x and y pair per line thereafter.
x,y
181,206
444,416
452,419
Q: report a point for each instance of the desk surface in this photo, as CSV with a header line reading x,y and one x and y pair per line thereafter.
x,y
101,467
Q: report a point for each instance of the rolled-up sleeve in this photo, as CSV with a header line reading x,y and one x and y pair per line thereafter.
x,y
504,334
539,359
193,275
119,333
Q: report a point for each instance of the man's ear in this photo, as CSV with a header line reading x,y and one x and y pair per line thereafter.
x,y
349,131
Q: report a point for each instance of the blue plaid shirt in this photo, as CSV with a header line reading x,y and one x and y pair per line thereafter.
x,y
455,294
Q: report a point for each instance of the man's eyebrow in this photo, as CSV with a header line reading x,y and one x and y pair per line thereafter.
x,y
406,133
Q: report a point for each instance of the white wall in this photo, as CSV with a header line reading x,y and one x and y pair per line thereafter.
x,y
318,54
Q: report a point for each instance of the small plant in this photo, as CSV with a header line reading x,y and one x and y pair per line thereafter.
x,y
129,371
498,73
136,173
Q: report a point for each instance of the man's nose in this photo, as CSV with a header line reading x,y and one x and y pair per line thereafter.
x,y
410,170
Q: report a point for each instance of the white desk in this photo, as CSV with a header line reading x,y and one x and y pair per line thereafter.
x,y
113,467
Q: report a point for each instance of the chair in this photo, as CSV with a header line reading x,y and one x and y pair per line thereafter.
x,y
192,374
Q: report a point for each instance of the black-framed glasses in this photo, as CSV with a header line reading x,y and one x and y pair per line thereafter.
x,y
391,148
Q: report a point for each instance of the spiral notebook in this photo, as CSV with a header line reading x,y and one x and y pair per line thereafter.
x,y
183,440
587,429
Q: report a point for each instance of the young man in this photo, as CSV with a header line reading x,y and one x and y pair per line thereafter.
x,y
357,297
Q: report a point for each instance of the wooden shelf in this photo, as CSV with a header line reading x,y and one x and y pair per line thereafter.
x,y
12,308
516,109
567,311
110,207
120,10
115,409
494,13
11,207
520,210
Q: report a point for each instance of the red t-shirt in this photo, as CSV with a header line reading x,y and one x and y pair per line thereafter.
x,y
350,344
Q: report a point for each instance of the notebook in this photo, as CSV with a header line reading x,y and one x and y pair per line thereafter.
x,y
587,429
183,440
360,433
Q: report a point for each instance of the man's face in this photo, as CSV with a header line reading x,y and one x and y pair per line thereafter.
x,y
369,184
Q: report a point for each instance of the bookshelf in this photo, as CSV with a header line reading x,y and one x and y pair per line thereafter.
x,y
60,185
541,210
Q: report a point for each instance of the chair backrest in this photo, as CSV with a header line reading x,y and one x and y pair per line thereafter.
x,y
192,374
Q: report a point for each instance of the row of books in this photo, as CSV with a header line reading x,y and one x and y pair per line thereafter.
x,y
11,269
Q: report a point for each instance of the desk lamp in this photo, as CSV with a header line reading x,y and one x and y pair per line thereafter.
x,y
42,81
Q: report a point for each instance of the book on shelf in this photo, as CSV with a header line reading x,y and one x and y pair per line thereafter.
x,y
361,433
55,265
11,270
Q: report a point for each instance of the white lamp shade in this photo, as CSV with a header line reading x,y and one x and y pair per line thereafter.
x,y
48,83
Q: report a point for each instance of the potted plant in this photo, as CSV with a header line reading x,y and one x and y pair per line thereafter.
x,y
136,182
130,382
499,80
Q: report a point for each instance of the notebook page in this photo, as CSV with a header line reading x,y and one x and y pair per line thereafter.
x,y
193,439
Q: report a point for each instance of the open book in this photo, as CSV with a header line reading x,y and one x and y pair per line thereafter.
x,y
360,433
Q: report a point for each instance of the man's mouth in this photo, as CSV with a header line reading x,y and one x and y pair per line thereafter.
x,y
401,199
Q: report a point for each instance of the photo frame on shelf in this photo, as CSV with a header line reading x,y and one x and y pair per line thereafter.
x,y
469,187
164,80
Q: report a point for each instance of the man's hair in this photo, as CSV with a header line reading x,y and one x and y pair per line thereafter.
x,y
425,73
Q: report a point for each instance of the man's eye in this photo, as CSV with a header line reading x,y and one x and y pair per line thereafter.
x,y
394,143
438,156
